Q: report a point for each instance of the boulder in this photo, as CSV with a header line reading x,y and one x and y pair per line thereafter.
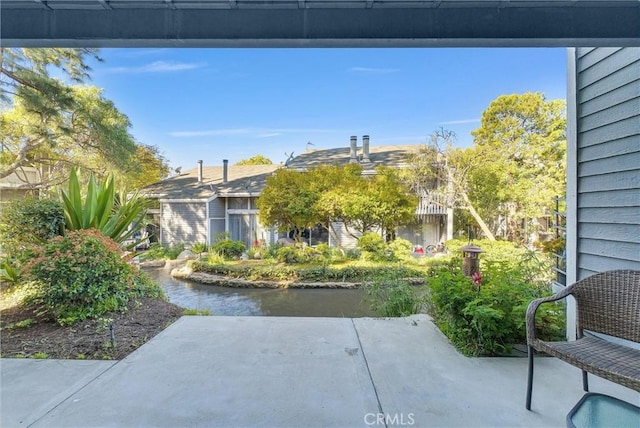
x,y
186,255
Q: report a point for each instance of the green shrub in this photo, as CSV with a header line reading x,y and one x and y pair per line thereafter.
x,y
158,252
373,247
29,222
290,255
173,251
352,253
319,273
401,248
487,316
271,252
393,297
493,250
82,275
215,258
199,247
324,250
229,249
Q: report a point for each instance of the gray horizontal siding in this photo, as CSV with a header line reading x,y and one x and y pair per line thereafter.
x,y
608,232
589,264
614,249
624,110
611,181
217,208
611,148
616,80
608,130
615,215
619,198
591,56
619,95
599,70
183,223
612,131
626,162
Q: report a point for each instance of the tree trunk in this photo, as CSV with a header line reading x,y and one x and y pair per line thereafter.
x,y
477,217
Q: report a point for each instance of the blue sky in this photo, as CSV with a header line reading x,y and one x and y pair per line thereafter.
x,y
215,104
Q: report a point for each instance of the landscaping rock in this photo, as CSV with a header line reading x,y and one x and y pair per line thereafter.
x,y
183,272
186,255
224,281
153,263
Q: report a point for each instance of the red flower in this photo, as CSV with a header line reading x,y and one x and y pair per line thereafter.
x,y
477,278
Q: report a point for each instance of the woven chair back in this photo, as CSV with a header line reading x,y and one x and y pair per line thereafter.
x,y
609,303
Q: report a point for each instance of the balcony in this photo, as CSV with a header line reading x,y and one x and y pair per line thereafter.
x,y
431,203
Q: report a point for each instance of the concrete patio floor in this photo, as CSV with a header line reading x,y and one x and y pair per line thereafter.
x,y
292,372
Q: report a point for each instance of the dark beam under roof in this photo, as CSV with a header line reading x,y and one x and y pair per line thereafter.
x,y
318,23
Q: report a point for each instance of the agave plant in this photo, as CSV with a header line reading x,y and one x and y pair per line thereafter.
x,y
8,272
117,215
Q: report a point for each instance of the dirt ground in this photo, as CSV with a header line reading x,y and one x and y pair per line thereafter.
x,y
26,333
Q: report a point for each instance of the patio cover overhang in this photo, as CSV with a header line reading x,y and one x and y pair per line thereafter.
x,y
318,23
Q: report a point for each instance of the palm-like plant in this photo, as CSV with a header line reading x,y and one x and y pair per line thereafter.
x,y
117,215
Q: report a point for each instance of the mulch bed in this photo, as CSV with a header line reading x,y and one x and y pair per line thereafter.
x,y
88,339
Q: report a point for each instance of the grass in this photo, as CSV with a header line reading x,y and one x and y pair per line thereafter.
x,y
196,312
21,324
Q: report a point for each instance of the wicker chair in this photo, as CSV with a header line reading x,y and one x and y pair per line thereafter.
x,y
607,303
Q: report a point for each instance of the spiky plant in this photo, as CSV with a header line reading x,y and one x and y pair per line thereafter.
x,y
117,215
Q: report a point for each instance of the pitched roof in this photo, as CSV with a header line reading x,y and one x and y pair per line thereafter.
x,y
241,180
391,156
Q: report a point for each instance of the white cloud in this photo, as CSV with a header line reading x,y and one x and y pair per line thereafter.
x,y
269,134
157,67
368,70
460,122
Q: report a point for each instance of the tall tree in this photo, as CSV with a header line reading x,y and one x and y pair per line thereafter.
x,y
522,137
326,194
255,160
147,166
440,169
52,120
287,201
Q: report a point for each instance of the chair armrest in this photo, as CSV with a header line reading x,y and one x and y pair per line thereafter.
x,y
533,307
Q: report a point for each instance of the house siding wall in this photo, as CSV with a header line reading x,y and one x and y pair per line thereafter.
x,y
341,237
608,159
183,222
217,208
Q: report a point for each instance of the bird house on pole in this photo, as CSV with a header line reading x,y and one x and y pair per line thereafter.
x,y
471,259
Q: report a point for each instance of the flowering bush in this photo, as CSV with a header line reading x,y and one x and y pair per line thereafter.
x,y
485,314
27,222
83,275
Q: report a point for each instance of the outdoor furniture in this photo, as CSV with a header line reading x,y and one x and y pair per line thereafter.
x,y
607,303
599,410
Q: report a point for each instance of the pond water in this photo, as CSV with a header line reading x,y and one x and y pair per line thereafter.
x,y
261,301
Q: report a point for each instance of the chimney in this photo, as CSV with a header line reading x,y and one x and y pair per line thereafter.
x,y
225,171
365,148
353,158
200,178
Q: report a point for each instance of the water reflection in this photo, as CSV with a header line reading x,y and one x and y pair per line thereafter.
x,y
274,302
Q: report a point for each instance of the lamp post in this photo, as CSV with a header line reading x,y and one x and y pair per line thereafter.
x,y
471,259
